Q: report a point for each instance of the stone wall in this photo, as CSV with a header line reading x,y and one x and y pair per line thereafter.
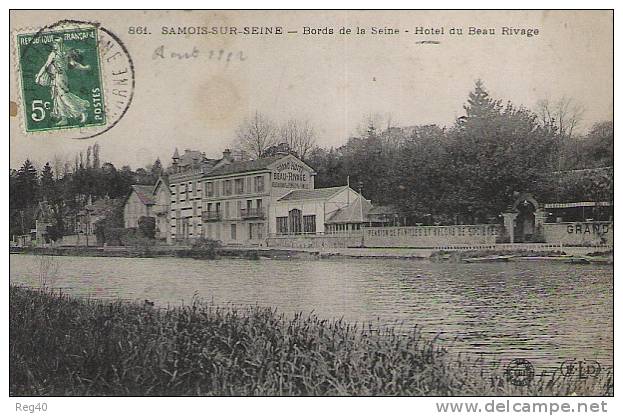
x,y
77,240
431,236
592,233
451,236
316,241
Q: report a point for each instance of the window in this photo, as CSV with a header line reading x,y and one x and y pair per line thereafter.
x,y
194,208
216,188
239,209
194,185
294,223
239,186
309,223
209,207
259,184
282,225
233,231
209,189
227,187
258,204
227,213
249,184
218,207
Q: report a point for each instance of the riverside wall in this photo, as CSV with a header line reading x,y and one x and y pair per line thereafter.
x,y
583,234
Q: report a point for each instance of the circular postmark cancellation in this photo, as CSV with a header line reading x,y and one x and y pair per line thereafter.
x,y
519,372
76,79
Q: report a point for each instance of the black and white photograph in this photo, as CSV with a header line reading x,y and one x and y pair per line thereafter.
x,y
359,203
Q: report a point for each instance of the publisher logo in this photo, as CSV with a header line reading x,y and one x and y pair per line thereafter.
x,y
581,369
519,372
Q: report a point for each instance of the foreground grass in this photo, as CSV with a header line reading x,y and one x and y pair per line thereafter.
x,y
65,346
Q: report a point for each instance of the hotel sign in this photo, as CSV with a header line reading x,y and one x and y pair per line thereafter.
x,y
290,174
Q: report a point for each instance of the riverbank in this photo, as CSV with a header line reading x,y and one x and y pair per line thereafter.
x,y
577,255
252,253
61,345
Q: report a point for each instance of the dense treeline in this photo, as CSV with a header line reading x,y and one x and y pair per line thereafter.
x,y
467,172
470,172
67,187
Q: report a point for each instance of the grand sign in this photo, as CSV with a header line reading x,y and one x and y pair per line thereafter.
x,y
290,174
598,228
579,233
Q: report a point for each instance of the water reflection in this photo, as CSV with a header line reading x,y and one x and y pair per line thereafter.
x,y
546,313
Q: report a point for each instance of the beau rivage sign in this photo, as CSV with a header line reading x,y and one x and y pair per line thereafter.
x,y
291,174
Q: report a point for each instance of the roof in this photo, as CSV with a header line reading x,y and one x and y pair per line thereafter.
x,y
189,158
244,166
164,180
589,170
43,211
577,204
352,213
320,193
145,193
382,210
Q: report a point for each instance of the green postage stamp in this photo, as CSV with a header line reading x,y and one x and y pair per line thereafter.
x,y
60,79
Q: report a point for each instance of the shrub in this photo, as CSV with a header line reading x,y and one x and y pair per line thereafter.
x,y
147,227
66,346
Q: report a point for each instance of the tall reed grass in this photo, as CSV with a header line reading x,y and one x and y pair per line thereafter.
x,y
61,345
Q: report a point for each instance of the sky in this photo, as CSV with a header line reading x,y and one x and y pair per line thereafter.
x,y
334,81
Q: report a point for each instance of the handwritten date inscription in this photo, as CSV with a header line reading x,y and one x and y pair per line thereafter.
x,y
218,55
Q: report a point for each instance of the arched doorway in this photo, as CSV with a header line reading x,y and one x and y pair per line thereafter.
x,y
525,206
294,220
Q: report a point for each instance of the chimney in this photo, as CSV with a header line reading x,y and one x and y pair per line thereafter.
x,y
227,155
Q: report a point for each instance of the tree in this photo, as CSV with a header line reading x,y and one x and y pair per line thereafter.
x,y
156,169
562,115
255,135
26,185
329,166
48,188
299,135
88,161
496,150
599,144
96,156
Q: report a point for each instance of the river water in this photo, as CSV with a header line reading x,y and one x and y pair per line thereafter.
x,y
544,312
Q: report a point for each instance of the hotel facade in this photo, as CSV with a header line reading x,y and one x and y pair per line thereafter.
x,y
240,201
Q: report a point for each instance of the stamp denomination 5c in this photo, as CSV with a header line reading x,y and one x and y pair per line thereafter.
x,y
61,80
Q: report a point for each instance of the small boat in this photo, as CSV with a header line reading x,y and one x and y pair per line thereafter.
x,y
488,259
601,260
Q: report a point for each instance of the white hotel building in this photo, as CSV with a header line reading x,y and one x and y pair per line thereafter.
x,y
243,202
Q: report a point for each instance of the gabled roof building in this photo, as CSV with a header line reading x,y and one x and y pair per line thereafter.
x,y
243,202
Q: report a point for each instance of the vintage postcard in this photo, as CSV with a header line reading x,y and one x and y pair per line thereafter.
x,y
313,203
